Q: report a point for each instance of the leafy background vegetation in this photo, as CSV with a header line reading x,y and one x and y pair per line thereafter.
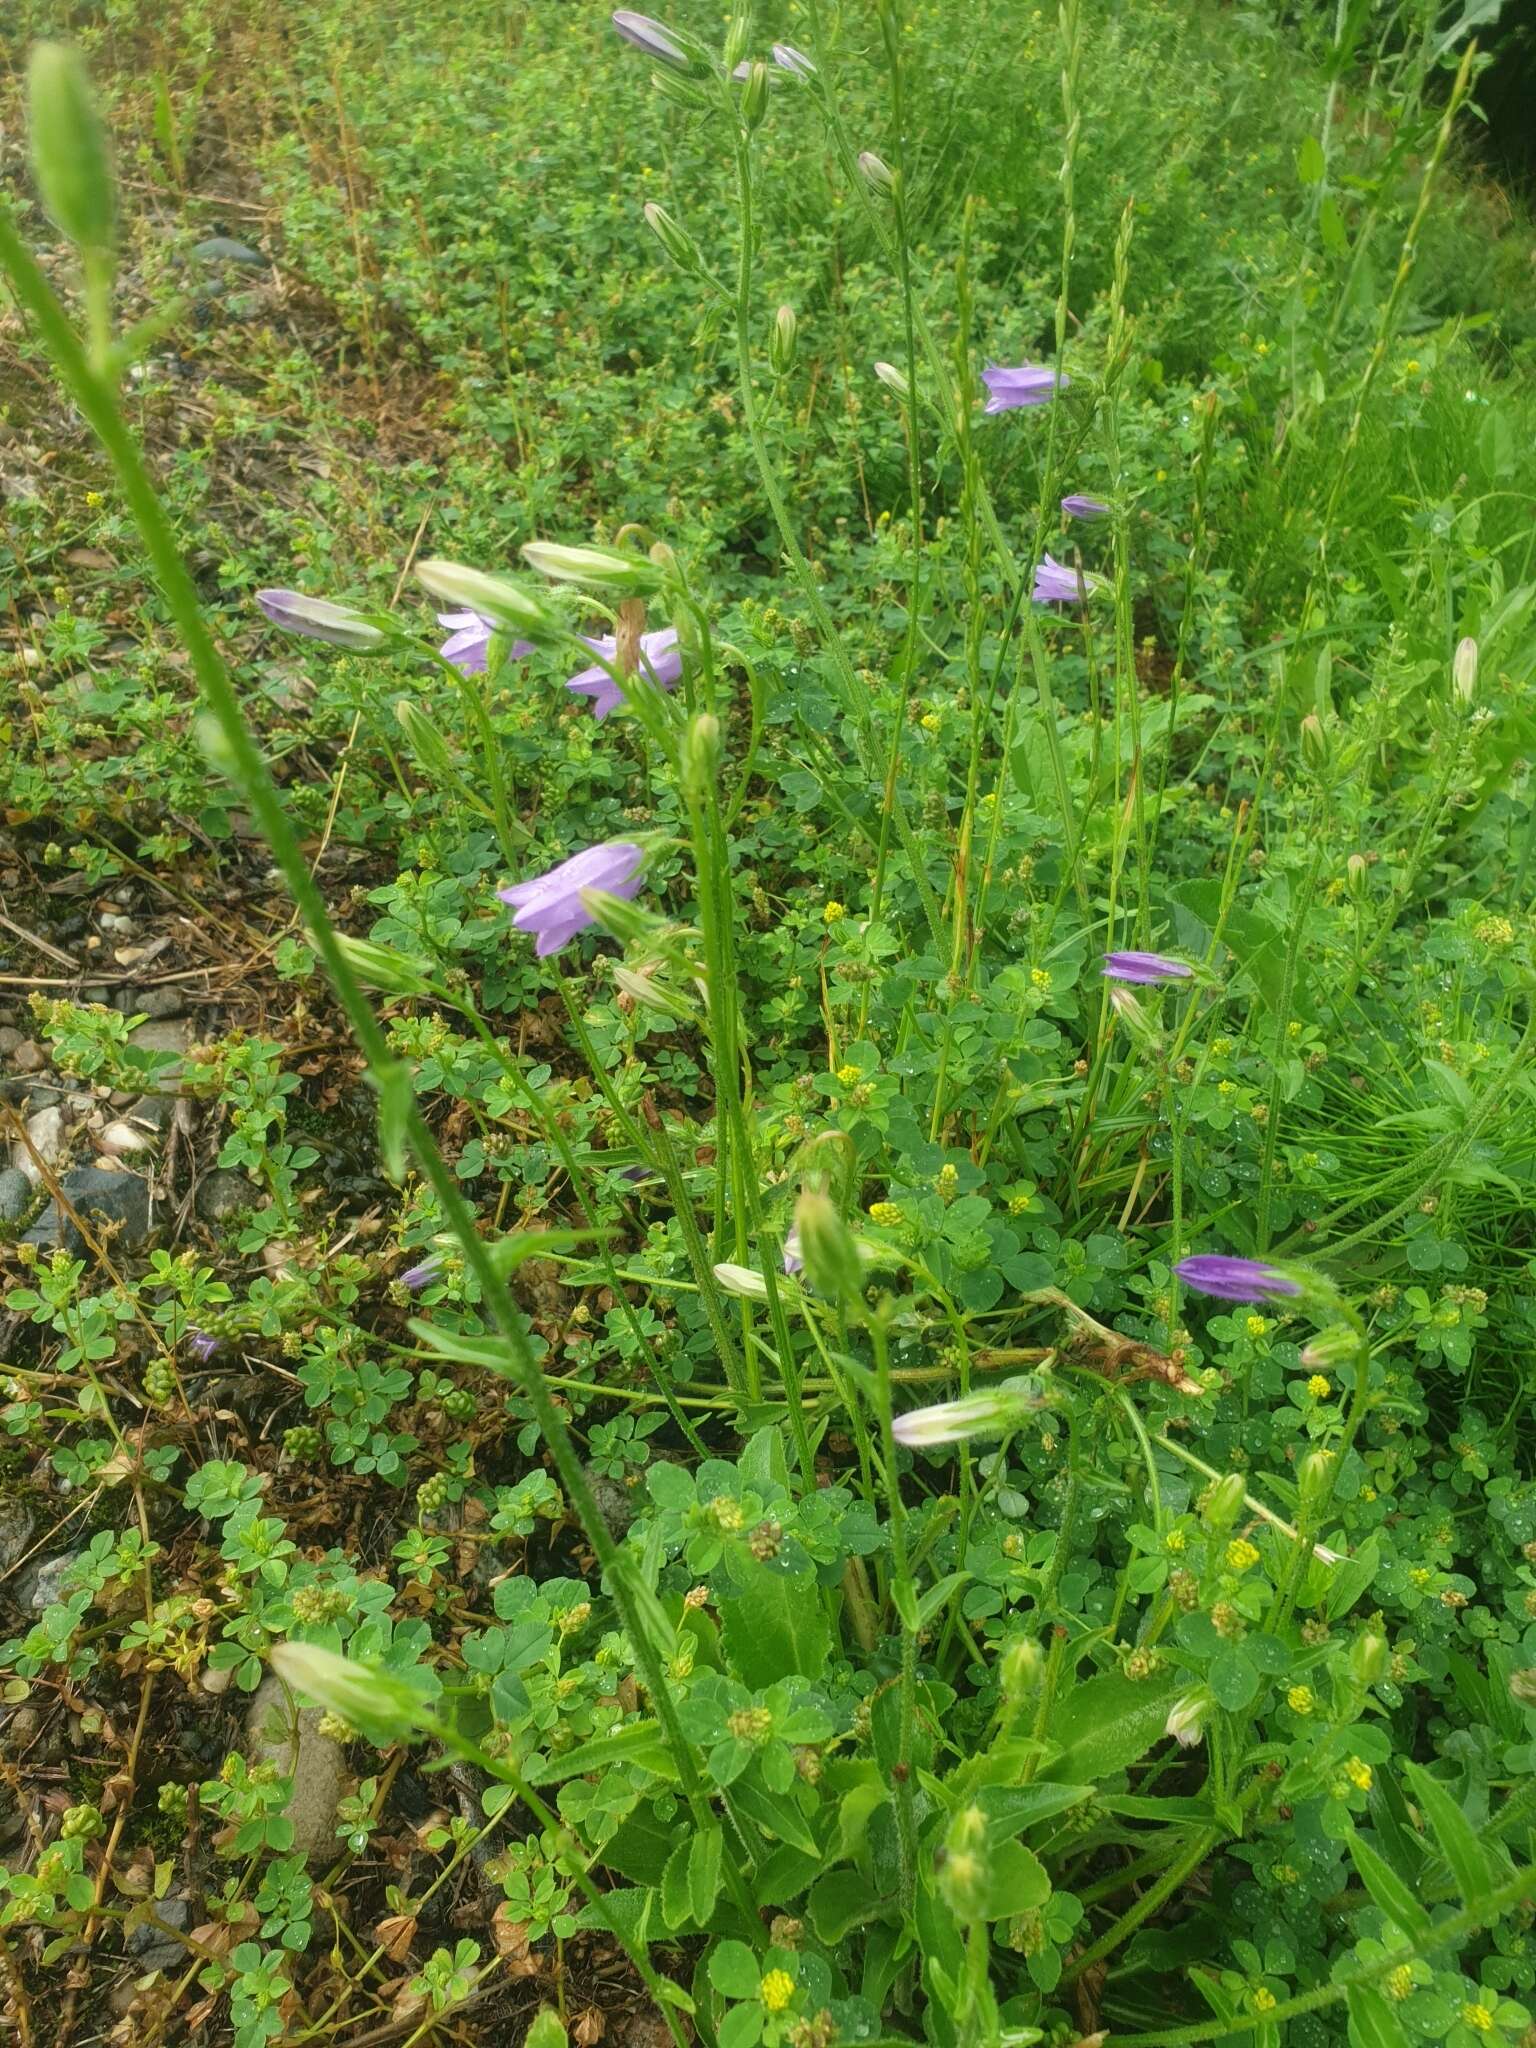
x,y
926,1693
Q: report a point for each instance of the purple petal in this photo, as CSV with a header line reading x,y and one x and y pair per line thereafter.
x,y
1145,967
660,657
1232,1279
650,36
1080,507
550,906
1025,384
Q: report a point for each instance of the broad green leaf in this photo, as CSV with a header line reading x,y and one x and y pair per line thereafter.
x,y
1106,1723
1310,161
841,1900
1389,1891
1234,1681
1372,2022
1015,1881
546,2030
775,1813
777,1627
937,1596
1454,1833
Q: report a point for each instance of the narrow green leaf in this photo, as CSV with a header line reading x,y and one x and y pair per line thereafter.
x,y
1372,2022
1389,1891
1453,1832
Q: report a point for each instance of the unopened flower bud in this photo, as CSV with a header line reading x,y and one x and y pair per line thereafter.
x,y
1464,673
1316,750
674,238
609,569
781,342
317,618
877,173
1223,1503
1369,1657
827,1248
1020,1666
754,96
495,598
893,379
794,61
69,147
1522,1687
737,37
368,1697
1357,873
380,968
741,1282
701,754
664,44
1314,1477
428,748
1331,1348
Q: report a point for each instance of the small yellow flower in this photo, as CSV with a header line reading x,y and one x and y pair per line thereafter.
x,y
847,1076
1300,1699
1255,1325
1476,2015
95,500
1421,1576
1399,1983
930,721
1495,931
1241,1554
1318,1387
776,1990
1263,1999
884,1213
1040,979
1359,1774
1368,1493
833,913
1174,1541
1412,366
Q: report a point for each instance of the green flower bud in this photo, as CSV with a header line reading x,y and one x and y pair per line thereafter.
x,y
378,1702
675,239
1019,1667
1223,1503
893,379
1369,1657
1314,1477
701,754
1316,748
1464,673
828,1247
754,95
593,568
742,1282
495,598
877,173
380,968
426,743
781,342
1357,873
70,159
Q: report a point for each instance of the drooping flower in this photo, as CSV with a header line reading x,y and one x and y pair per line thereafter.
x,y
1025,384
660,657
1232,1279
951,1422
202,1346
792,1262
1187,1718
317,618
1055,583
1144,967
794,61
423,1275
1079,506
650,36
551,906
469,640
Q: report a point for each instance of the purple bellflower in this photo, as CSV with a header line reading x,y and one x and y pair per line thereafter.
x,y
1055,583
423,1275
794,61
469,640
792,1262
1145,967
551,905
1026,384
1079,506
1232,1279
660,658
202,1346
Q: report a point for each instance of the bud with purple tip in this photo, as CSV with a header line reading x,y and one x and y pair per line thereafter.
x,y
317,618
650,36
1232,1279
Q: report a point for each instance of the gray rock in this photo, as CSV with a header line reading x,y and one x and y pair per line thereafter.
x,y
16,1525
316,1764
41,1584
10,1039
47,1135
164,1034
224,1194
156,1951
159,1002
28,1057
100,1197
155,1112
224,249
15,1195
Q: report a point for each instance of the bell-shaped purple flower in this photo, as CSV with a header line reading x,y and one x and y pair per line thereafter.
x,y
1080,506
1055,583
317,618
649,35
792,1261
1026,384
202,1346
1235,1279
551,905
423,1275
660,658
1145,967
469,640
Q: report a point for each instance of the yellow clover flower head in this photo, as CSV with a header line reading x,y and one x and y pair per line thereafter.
x,y
1241,1555
776,1990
